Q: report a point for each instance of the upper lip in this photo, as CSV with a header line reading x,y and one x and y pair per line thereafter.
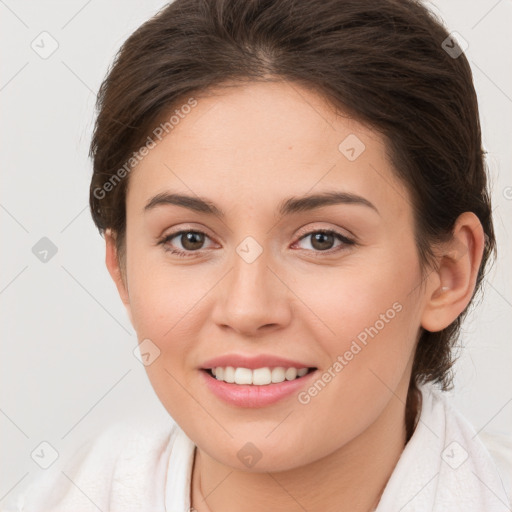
x,y
253,362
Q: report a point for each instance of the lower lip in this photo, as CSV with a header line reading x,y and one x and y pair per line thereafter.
x,y
249,395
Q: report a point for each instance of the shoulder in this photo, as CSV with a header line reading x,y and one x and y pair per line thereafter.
x,y
499,446
495,444
125,463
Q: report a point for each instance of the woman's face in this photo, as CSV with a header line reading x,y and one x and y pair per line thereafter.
x,y
259,280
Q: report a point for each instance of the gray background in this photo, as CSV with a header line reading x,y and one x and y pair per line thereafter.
x,y
67,366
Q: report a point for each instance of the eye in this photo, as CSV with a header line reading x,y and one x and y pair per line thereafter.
x,y
322,240
190,240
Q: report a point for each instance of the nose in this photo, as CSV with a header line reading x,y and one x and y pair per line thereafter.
x,y
252,298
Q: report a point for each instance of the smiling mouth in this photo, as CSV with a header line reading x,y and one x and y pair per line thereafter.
x,y
264,376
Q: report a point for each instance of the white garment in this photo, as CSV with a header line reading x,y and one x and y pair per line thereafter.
x,y
444,467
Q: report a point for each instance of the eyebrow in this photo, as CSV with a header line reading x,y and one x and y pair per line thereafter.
x,y
286,207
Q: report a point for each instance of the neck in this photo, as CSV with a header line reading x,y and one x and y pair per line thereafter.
x,y
350,479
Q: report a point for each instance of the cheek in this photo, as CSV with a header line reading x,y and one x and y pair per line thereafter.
x,y
166,310
166,302
372,320
368,314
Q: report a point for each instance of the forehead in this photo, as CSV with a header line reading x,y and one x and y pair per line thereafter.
x,y
260,142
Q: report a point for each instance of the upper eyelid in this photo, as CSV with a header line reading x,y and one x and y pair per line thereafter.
x,y
302,230
308,231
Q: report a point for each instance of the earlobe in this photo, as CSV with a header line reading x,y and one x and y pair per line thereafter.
x,y
453,282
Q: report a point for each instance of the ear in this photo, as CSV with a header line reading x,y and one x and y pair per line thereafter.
x,y
452,284
112,262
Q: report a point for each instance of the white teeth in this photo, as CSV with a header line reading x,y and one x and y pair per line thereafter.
x,y
261,376
291,373
229,374
243,376
278,374
258,376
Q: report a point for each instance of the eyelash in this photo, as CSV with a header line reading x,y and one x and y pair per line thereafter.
x,y
190,254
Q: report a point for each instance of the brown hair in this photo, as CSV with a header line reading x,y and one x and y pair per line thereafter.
x,y
384,62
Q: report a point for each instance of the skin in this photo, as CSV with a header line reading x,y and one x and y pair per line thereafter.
x,y
247,148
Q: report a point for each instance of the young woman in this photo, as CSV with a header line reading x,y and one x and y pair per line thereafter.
x,y
295,207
